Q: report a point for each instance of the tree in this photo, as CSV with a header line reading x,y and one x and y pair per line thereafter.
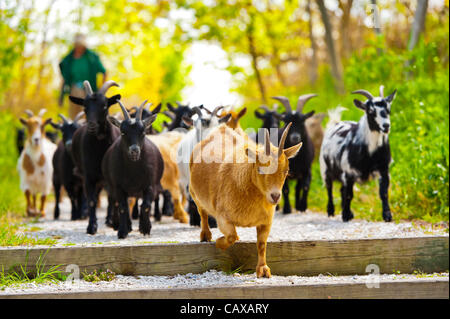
x,y
418,24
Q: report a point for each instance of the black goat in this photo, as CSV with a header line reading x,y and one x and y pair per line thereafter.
x,y
133,166
90,143
63,167
176,114
270,118
299,165
354,152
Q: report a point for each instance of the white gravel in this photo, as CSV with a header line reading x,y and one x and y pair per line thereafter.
x,y
208,279
293,227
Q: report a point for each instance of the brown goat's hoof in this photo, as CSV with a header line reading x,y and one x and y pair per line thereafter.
x,y
222,243
183,219
263,271
205,235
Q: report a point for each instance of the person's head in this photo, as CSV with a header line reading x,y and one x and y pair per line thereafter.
x,y
79,41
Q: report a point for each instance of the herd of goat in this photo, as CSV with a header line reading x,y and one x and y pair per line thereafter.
x,y
203,161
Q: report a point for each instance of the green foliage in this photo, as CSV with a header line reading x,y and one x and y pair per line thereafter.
x,y
95,276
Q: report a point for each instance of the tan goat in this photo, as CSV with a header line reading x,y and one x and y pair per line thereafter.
x,y
168,143
315,131
233,122
239,185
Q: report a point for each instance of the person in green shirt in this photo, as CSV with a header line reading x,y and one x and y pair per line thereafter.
x,y
79,65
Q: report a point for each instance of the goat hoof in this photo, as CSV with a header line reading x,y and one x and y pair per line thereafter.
x,y
92,229
387,216
222,243
145,229
205,235
122,234
183,219
286,211
301,207
348,216
263,271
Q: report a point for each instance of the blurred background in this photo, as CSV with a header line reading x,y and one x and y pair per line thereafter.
x,y
240,53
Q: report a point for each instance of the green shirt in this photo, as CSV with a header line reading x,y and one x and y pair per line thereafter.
x,y
86,67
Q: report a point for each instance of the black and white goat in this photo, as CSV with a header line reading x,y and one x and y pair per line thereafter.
x,y
299,165
353,152
176,115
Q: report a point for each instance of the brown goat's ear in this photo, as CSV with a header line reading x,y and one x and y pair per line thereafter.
x,y
188,121
149,120
23,121
225,119
293,150
113,121
113,99
242,112
76,100
359,104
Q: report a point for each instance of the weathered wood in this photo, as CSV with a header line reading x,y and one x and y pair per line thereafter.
x,y
307,258
432,289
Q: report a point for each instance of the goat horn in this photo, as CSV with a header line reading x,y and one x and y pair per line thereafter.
x,y
87,88
382,90
169,115
284,101
126,116
367,94
105,87
197,110
204,108
302,101
78,116
216,110
267,141
140,110
42,112
63,118
283,139
29,113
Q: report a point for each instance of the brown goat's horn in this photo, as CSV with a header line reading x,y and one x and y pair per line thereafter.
x,y
126,116
216,110
140,110
78,116
302,101
63,118
367,94
29,113
283,139
284,100
382,90
106,86
87,88
267,141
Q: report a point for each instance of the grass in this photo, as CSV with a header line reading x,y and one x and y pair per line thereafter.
x,y
11,235
19,274
101,275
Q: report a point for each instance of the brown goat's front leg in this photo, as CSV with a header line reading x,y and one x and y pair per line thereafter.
x,y
42,209
205,234
262,270
229,230
28,200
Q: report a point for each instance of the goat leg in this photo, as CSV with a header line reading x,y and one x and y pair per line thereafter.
x,y
57,188
123,217
287,205
157,210
92,198
145,224
262,270
168,206
304,186
384,188
330,206
346,198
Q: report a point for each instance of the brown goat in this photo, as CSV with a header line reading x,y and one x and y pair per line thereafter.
x,y
168,143
315,131
241,192
233,122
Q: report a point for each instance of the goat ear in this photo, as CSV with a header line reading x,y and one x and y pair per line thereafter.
x,y
225,119
308,115
188,121
56,126
76,100
157,109
258,114
149,120
23,121
242,113
46,122
113,99
359,104
391,97
113,121
171,108
251,155
293,150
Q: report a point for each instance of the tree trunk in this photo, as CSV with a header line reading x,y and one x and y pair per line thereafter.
x,y
334,59
254,56
313,62
418,24
346,43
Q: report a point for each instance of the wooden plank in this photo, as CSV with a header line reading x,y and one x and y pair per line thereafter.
x,y
308,258
421,289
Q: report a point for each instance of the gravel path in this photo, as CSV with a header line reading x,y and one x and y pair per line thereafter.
x,y
208,279
296,226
